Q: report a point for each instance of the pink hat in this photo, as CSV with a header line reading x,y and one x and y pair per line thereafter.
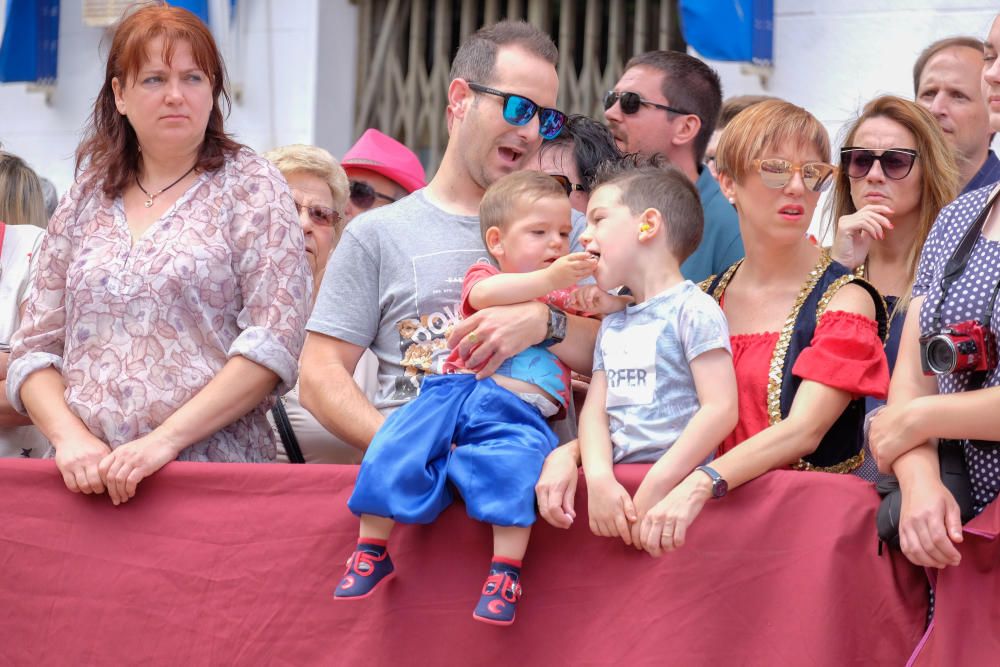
x,y
384,155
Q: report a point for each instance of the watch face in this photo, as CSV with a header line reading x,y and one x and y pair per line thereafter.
x,y
560,326
720,487
557,325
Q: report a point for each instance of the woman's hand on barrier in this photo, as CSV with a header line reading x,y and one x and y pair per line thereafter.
x,y
930,524
665,526
610,508
556,487
895,430
855,233
78,462
646,497
129,464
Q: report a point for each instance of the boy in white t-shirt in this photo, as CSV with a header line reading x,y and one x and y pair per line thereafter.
x,y
663,388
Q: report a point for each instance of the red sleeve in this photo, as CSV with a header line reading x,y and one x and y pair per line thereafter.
x,y
560,298
847,354
475,273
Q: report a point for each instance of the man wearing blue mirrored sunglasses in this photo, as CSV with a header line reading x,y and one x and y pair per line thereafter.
x,y
394,282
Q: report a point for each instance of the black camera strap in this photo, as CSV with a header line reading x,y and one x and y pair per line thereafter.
x,y
960,259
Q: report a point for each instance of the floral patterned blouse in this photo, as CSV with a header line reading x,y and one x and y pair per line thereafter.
x,y
138,328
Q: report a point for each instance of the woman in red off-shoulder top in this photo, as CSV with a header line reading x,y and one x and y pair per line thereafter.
x,y
806,334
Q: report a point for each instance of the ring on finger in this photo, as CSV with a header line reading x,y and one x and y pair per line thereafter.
x,y
473,338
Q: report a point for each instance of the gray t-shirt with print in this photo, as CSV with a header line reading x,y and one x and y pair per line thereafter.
x,y
645,352
394,284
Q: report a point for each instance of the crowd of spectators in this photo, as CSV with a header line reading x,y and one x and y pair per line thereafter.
x,y
189,299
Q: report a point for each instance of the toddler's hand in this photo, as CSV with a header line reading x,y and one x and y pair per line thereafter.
x,y
570,269
610,508
592,299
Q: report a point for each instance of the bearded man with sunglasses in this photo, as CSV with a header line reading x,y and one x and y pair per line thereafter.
x,y
668,102
394,281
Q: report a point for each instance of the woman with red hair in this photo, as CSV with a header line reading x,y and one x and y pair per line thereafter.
x,y
172,290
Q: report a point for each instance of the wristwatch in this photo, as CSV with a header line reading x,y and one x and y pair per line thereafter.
x,y
556,331
719,485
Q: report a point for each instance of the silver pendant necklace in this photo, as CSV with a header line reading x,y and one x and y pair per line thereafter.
x,y
151,197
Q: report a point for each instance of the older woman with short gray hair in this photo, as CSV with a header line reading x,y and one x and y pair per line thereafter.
x,y
320,189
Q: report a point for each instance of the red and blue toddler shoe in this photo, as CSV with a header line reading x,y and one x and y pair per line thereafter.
x,y
367,567
501,592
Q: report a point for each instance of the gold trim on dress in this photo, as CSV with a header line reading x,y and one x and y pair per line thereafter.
x,y
841,468
774,373
824,302
724,281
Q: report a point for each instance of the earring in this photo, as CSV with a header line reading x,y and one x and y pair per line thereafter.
x,y
732,200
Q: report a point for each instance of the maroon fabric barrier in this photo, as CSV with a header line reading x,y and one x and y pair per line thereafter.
x,y
966,627
232,563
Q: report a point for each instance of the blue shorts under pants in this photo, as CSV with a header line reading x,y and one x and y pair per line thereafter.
x,y
501,443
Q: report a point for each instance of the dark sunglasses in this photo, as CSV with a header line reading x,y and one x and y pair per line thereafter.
x,y
630,103
568,185
320,215
776,173
518,110
363,195
896,163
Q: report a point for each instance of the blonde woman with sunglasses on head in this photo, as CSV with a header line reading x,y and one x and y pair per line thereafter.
x,y
320,189
22,213
805,332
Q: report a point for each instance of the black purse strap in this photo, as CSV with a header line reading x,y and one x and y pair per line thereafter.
x,y
286,432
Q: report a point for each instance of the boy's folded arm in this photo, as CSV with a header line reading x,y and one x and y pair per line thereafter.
x,y
595,430
610,506
504,289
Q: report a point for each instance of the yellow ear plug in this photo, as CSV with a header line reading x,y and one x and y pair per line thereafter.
x,y
645,227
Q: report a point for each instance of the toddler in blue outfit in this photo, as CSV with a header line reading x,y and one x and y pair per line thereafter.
x,y
486,438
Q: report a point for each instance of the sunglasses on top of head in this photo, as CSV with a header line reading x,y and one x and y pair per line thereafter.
x,y
568,185
320,215
896,163
776,173
630,103
363,195
518,110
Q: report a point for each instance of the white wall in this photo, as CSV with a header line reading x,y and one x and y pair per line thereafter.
x,y
277,67
832,56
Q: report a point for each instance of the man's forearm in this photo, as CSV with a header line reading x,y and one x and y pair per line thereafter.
x,y
577,350
336,401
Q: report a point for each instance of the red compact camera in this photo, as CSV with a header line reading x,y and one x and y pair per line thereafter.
x,y
966,346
